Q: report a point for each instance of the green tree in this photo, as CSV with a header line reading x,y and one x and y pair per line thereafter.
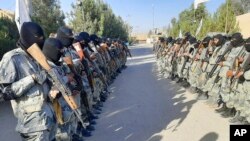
x,y
95,16
8,35
188,20
47,13
225,18
238,8
245,5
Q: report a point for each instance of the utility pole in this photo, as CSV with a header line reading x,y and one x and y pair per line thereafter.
x,y
153,16
226,17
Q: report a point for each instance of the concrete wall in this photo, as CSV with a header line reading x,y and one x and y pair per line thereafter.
x,y
244,24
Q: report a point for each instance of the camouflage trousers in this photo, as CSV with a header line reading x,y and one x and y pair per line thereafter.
x,y
98,88
36,136
69,126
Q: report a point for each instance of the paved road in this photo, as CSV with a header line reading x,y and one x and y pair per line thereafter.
x,y
145,107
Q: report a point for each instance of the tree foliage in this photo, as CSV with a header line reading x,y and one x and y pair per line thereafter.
x,y
95,16
47,13
245,5
8,35
223,20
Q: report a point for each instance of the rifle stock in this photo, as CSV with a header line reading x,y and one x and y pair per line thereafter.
x,y
38,55
79,50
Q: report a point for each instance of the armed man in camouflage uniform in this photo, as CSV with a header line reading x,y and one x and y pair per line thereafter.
x,y
26,85
213,70
228,63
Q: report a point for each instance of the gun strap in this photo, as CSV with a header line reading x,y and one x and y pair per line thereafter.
x,y
58,111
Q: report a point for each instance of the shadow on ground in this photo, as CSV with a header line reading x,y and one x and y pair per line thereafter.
x,y
210,137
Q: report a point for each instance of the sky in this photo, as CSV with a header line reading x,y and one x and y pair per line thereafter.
x,y
138,13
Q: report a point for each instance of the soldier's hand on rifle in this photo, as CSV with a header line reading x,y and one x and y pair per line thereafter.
x,y
71,77
185,54
241,59
221,63
39,77
197,57
92,57
54,93
230,73
240,73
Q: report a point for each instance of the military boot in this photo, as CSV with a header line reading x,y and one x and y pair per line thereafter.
x,y
82,131
172,77
96,107
100,104
185,84
92,116
179,80
242,122
222,109
237,118
96,112
90,128
211,101
229,113
76,137
203,96
192,90
86,133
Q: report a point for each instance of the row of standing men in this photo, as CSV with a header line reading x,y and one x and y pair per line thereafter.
x,y
57,86
216,68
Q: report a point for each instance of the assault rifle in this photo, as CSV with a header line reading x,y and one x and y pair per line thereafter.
x,y
38,55
219,59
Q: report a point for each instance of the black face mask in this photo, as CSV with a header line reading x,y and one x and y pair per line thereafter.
x,y
247,45
51,50
221,39
66,42
206,41
31,33
205,44
192,40
196,45
237,40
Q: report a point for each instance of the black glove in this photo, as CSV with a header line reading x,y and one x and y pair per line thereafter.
x,y
40,77
241,79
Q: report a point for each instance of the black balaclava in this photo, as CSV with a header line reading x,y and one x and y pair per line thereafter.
x,y
161,39
221,39
51,50
187,35
30,33
197,44
247,45
169,39
173,41
192,40
206,41
95,39
109,42
85,38
178,41
237,40
65,35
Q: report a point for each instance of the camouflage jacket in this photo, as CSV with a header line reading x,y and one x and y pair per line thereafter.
x,y
28,99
